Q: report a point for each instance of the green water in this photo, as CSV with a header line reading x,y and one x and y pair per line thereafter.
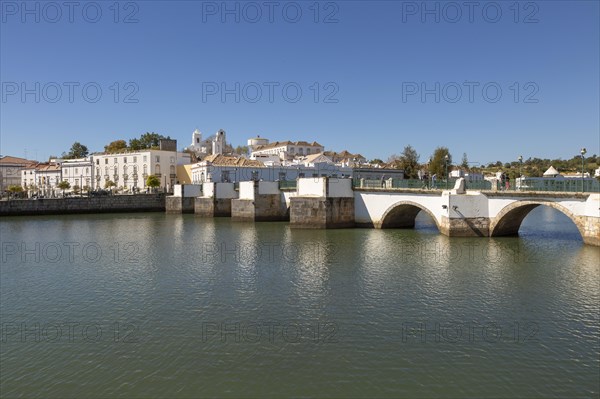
x,y
154,305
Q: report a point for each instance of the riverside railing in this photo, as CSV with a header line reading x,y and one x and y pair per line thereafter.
x,y
420,184
572,185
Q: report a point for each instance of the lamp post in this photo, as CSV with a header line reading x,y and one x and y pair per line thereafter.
x,y
583,151
446,158
520,175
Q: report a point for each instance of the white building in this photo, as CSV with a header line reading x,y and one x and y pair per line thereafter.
x,y
256,142
42,178
214,145
78,172
11,171
468,176
218,143
223,169
197,145
287,149
129,170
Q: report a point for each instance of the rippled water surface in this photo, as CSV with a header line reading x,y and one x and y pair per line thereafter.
x,y
154,305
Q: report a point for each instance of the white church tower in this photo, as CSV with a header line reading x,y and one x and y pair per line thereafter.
x,y
218,144
196,145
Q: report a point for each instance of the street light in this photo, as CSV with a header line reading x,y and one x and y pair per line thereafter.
x,y
583,151
446,158
520,175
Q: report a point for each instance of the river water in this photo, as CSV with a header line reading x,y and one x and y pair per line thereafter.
x,y
155,305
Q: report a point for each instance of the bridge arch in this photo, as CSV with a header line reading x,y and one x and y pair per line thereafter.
x,y
402,215
509,219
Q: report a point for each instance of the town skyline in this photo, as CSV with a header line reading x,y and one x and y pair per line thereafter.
x,y
27,153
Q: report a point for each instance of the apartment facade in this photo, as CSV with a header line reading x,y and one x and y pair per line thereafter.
x,y
11,171
129,170
78,172
287,149
43,177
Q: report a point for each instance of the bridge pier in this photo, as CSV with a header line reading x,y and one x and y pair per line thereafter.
x,y
590,228
259,202
215,201
323,203
465,227
464,215
182,200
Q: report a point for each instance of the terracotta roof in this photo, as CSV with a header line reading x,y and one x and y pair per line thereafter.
x,y
16,160
45,167
222,160
287,142
342,156
312,157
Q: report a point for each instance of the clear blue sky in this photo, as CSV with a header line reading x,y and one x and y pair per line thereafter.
x,y
374,58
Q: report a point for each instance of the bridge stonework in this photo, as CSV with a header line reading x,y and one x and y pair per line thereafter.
x,y
474,214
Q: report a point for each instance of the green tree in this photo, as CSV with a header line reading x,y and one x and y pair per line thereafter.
x,y
64,185
13,190
153,181
135,145
465,161
241,149
109,184
438,162
409,161
116,146
77,150
377,161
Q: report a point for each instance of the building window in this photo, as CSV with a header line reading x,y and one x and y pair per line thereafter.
x,y
125,159
76,171
87,171
97,162
145,159
115,160
158,158
134,159
145,169
225,176
105,161
281,175
157,169
172,159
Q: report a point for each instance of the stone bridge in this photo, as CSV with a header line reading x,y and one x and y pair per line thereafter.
x,y
474,213
324,202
